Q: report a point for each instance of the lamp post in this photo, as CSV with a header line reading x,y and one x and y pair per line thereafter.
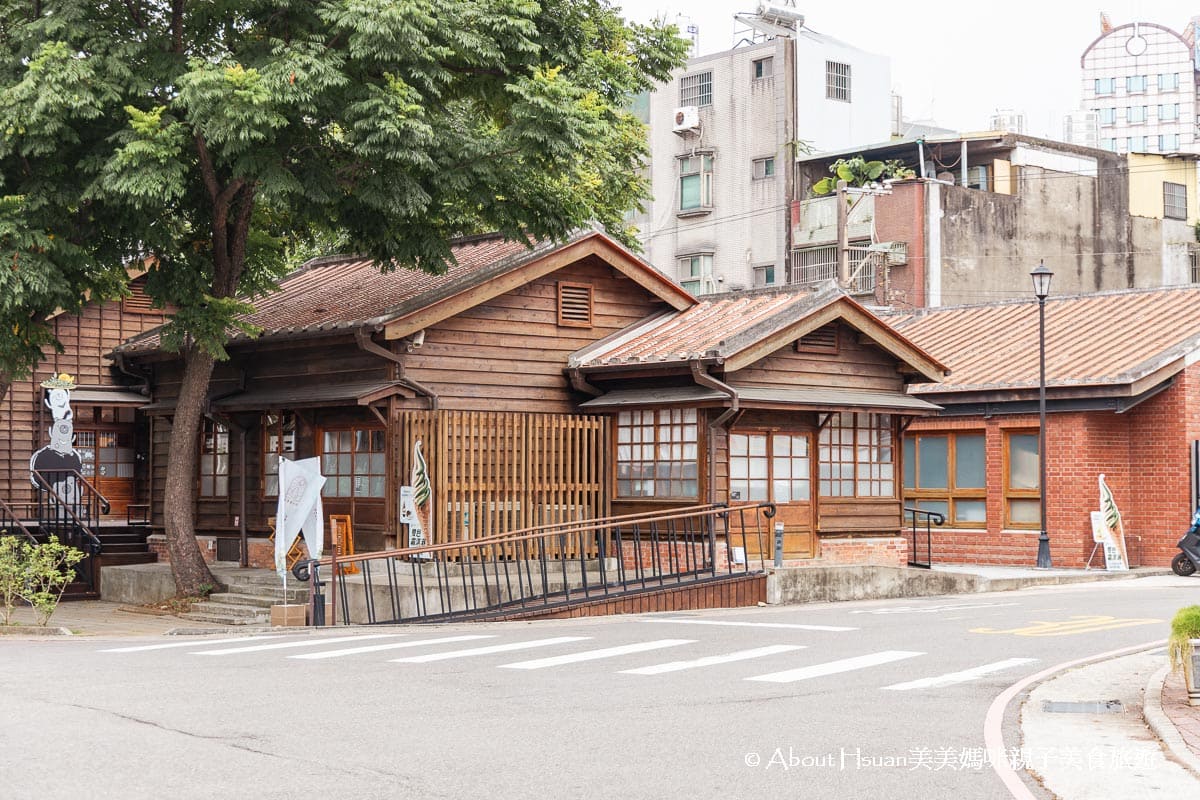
x,y
1041,289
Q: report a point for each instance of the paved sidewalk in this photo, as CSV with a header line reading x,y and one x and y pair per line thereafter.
x,y
1176,714
101,618
1100,750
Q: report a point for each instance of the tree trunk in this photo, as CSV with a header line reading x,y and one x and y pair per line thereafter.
x,y
179,494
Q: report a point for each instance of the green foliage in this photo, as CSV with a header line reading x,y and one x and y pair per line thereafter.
x,y
228,140
48,571
12,574
857,171
1184,627
35,573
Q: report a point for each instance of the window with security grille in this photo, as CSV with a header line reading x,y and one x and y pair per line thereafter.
x,y
1174,201
696,90
837,81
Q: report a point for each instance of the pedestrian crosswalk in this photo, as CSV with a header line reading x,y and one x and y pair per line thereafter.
x,y
779,663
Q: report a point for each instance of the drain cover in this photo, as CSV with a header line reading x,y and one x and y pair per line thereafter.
x,y
1086,707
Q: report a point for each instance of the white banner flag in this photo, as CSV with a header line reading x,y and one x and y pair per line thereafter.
x,y
299,507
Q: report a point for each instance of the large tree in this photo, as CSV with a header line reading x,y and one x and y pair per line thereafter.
x,y
209,131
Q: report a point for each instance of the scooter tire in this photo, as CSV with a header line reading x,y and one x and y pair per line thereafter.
x,y
1182,565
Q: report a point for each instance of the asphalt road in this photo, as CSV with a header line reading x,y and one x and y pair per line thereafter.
x,y
881,699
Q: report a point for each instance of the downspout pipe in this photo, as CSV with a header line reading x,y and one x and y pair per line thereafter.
x,y
143,381
702,378
368,345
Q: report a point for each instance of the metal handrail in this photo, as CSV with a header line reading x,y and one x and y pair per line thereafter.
x,y
936,518
96,503
548,566
9,519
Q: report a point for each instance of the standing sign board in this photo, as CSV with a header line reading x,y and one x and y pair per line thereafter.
x,y
1109,531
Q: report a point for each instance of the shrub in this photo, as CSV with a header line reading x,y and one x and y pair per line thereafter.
x,y
35,573
1184,627
13,556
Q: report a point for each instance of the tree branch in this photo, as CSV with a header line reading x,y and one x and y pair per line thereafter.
x,y
177,26
208,172
135,14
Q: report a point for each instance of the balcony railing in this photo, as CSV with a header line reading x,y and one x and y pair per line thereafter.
x,y
812,267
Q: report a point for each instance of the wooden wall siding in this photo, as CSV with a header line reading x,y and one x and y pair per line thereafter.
x,y
854,366
509,353
495,472
736,592
86,338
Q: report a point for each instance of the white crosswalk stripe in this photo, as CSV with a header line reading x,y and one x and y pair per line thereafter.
x,y
733,623
834,667
375,648
710,661
192,643
310,642
951,678
482,651
593,655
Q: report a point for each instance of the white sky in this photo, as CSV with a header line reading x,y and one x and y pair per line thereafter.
x,y
954,61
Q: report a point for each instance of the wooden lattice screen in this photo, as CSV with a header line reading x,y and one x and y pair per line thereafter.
x,y
494,472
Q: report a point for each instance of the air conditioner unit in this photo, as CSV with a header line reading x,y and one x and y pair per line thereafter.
x,y
687,118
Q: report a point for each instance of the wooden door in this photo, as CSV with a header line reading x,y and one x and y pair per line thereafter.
x,y
108,462
775,466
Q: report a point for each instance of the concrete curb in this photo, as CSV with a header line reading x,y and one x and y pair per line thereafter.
x,y
33,630
1162,726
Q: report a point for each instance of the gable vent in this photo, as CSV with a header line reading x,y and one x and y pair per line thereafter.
x,y
822,340
575,305
138,302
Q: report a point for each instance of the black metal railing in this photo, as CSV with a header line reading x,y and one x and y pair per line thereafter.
x,y
11,524
68,506
542,568
917,515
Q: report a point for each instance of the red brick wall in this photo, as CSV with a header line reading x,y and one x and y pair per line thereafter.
x,y
1143,454
885,551
900,217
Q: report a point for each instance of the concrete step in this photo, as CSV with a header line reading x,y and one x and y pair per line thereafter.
x,y
221,619
226,609
274,594
238,599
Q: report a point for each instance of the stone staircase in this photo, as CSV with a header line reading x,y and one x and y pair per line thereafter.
x,y
247,599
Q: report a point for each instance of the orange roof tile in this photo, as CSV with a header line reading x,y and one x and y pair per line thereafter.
x,y
1104,339
714,327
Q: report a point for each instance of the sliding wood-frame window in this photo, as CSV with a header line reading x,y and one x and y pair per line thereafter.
x,y
658,454
214,459
856,456
946,473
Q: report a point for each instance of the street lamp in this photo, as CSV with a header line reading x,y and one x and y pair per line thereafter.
x,y
1041,289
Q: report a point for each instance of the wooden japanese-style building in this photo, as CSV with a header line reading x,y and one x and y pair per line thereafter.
x,y
566,381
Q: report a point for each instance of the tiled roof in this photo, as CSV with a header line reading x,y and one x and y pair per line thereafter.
x,y
1106,339
345,292
716,327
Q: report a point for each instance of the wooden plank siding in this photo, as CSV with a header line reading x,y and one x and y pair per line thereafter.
x,y
854,366
508,354
86,338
